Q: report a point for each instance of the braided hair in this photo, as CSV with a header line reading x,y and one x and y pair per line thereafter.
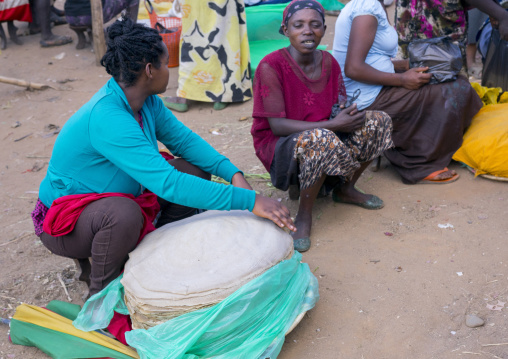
x,y
130,47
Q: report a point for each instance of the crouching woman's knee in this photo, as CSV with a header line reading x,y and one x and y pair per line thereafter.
x,y
123,217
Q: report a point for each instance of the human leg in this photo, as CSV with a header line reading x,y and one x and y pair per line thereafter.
x,y
42,14
365,145
322,153
132,10
475,20
3,38
13,33
303,220
107,230
171,212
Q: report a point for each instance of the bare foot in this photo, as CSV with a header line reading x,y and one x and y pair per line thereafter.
x,y
303,223
301,238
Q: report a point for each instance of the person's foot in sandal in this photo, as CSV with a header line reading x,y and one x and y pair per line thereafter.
x,y
346,193
175,103
56,41
217,106
442,176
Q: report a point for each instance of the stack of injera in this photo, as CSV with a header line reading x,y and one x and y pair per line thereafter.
x,y
197,262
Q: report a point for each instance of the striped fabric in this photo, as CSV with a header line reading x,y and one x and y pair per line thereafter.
x,y
15,10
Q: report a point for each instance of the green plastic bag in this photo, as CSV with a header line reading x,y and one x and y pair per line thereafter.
x,y
250,323
100,307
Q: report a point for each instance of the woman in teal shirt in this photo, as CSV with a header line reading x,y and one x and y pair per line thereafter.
x,y
110,146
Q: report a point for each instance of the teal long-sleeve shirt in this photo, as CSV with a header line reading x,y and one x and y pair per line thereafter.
x,y
103,149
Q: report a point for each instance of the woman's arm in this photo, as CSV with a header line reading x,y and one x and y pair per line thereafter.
x,y
361,38
494,10
348,120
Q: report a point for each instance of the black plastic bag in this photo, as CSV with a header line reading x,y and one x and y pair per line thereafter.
x,y
495,68
439,54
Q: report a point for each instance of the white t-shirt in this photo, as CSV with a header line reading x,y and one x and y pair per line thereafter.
x,y
380,54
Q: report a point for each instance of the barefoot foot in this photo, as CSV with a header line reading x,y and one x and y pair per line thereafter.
x,y
301,238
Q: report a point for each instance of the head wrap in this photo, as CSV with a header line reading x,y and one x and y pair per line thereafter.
x,y
296,5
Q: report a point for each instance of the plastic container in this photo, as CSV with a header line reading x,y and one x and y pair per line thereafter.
x,y
172,40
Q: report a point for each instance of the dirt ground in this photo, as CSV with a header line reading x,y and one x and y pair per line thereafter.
x,y
393,283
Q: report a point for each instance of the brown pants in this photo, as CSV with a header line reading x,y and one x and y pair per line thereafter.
x,y
108,229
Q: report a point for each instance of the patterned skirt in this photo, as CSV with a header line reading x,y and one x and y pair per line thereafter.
x,y
304,157
214,52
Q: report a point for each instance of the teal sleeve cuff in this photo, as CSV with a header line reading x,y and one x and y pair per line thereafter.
x,y
243,199
227,170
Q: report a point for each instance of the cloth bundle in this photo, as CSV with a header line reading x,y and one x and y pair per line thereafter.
x,y
485,146
196,263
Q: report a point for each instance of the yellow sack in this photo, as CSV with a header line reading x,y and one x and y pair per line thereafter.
x,y
485,146
488,95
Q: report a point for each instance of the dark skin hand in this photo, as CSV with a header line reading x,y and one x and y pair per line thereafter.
x,y
266,207
363,32
348,120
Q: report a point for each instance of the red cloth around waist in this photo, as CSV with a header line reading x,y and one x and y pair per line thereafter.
x,y
65,211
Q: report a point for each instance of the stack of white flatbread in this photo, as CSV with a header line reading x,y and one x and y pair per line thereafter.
x,y
197,262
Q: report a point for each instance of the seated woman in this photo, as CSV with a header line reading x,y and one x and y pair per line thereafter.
x,y
107,155
428,120
295,89
78,14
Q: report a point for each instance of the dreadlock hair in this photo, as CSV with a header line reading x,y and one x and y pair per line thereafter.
x,y
130,47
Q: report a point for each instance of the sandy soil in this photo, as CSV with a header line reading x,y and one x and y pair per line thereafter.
x,y
393,283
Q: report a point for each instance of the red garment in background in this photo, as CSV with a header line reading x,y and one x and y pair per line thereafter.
x,y
282,90
11,10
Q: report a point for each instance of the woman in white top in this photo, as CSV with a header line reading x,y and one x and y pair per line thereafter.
x,y
428,120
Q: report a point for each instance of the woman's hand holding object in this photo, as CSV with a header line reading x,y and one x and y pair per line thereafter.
x,y
348,120
415,78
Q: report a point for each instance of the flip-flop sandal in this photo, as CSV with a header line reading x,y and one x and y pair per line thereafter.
x,y
430,179
217,106
57,41
178,107
301,244
373,202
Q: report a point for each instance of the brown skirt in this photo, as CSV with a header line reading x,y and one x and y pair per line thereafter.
x,y
428,125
